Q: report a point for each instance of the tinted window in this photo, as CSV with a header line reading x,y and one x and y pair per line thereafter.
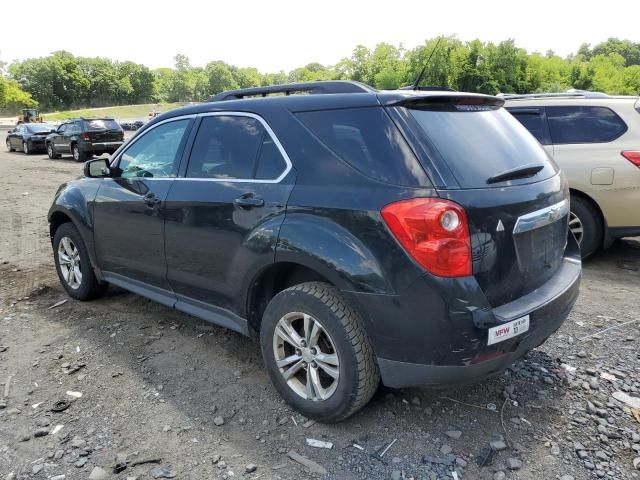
x,y
477,145
534,122
584,124
228,146
368,140
155,153
270,161
101,124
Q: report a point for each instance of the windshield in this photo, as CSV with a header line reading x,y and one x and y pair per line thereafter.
x,y
478,144
40,128
102,124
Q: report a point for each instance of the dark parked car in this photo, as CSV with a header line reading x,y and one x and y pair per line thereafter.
x,y
85,137
29,137
419,238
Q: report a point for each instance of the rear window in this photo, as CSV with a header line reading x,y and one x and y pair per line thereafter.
x,y
476,145
42,127
369,141
101,124
580,124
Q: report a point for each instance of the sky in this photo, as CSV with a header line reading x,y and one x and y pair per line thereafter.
x,y
275,35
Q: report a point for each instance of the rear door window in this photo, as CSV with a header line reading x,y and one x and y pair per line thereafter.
x,y
533,120
478,144
584,124
234,147
369,141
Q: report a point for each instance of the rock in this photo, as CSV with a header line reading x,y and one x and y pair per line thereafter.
x,y
215,459
250,468
396,460
600,455
455,434
636,463
499,476
82,461
498,445
628,400
3,404
166,428
36,469
25,437
98,474
162,472
77,442
588,465
461,462
514,464
446,449
567,477
58,455
41,432
428,411
13,411
581,354
396,475
555,450
218,421
415,401
310,464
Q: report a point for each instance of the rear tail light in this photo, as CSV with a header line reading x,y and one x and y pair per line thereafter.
x,y
85,136
434,232
633,156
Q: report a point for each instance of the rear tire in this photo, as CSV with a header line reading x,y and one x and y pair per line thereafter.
x,y
335,370
586,225
74,266
78,155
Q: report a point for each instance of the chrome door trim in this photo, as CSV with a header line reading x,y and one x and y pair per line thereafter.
x,y
542,217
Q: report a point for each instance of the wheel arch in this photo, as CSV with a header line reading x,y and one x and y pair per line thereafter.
x,y
606,240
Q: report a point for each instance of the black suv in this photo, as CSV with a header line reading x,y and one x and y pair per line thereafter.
x,y
85,137
416,237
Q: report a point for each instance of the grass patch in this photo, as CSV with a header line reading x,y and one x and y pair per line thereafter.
x,y
120,112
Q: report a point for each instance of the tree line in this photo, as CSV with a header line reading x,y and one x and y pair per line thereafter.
x,y
63,81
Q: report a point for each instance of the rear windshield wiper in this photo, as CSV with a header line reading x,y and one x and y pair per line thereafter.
x,y
518,172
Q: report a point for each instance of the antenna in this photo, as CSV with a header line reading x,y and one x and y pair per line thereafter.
x,y
416,85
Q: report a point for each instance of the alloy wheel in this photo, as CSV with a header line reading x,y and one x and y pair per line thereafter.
x,y
76,153
50,150
69,261
8,143
575,225
25,148
306,356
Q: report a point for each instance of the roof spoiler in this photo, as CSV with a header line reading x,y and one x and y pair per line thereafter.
x,y
461,101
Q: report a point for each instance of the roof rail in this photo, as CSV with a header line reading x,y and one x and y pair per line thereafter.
x,y
571,93
324,86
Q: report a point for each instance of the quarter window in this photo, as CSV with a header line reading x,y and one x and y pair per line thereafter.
x,y
234,147
584,124
155,154
533,121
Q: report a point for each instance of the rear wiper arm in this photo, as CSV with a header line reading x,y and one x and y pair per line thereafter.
x,y
518,172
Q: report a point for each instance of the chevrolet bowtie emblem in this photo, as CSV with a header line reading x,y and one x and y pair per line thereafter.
x,y
500,227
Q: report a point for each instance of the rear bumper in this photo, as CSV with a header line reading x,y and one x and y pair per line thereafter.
x,y
101,146
426,338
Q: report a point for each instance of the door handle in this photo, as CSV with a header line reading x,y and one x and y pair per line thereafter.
x,y
248,201
151,199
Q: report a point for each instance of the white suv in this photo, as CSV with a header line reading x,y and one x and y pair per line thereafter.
x,y
595,139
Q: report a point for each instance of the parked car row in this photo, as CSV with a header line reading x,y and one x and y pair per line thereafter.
x,y
132,126
82,138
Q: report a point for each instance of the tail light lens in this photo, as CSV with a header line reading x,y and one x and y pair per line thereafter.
x,y
85,136
434,232
633,156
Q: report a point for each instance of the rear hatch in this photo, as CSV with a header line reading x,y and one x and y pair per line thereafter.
x,y
516,200
103,130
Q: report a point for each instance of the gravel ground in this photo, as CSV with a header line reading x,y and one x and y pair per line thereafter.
x,y
194,400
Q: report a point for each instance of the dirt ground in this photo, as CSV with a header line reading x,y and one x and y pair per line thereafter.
x,y
160,385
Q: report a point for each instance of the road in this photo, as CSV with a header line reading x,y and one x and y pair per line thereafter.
x,y
153,380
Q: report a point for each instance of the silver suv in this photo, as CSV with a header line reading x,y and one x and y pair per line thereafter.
x,y
595,139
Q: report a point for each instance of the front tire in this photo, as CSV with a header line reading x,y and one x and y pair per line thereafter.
x,y
51,152
586,225
9,147
74,266
25,148
317,352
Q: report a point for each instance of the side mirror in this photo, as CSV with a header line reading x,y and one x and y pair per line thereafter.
x,y
97,168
